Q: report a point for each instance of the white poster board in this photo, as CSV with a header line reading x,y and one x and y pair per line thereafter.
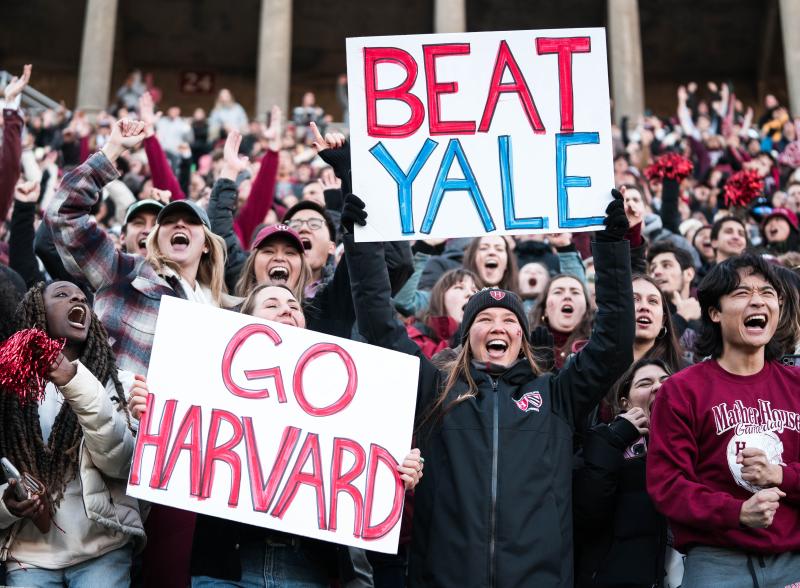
x,y
468,134
275,426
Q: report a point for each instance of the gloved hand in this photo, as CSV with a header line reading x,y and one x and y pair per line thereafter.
x,y
353,213
616,223
542,341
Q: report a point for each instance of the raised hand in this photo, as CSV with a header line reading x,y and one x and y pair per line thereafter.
x,y
17,84
273,133
233,162
329,141
353,213
616,223
27,191
688,308
147,114
62,371
125,134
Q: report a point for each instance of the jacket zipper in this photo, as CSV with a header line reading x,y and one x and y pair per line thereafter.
x,y
493,510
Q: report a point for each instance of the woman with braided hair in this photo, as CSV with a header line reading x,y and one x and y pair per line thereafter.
x,y
78,443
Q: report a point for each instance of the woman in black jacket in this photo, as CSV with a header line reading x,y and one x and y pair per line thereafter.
x,y
621,540
496,508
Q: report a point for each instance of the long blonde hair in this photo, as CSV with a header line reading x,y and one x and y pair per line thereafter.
x,y
210,272
459,369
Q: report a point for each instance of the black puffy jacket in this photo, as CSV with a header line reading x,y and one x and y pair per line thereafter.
x,y
495,507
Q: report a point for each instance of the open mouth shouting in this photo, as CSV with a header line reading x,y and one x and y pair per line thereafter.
x,y
278,274
496,348
644,320
756,324
567,310
180,241
77,316
306,243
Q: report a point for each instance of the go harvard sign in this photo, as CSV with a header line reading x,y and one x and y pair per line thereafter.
x,y
275,426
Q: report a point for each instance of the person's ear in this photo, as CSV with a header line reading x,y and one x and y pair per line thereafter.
x,y
331,248
623,402
688,274
715,315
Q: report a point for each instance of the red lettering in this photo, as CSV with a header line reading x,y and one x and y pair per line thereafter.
x,y
224,453
436,89
191,429
263,494
160,440
373,56
235,343
565,47
314,479
378,454
519,86
352,379
344,482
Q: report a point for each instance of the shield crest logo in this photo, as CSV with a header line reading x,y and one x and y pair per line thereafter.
x,y
497,294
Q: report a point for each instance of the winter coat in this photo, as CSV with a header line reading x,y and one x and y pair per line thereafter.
x,y
495,508
620,537
106,450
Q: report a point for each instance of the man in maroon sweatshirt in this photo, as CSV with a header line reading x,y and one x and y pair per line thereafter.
x,y
724,457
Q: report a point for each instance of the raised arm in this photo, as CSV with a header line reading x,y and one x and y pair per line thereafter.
x,y
160,171
85,248
21,256
222,208
609,352
262,193
12,140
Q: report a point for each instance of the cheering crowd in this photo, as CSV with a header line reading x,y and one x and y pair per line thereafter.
x,y
593,409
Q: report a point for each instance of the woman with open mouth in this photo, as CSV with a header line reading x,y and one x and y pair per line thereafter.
x,y
492,261
655,335
495,430
566,311
184,259
613,513
78,445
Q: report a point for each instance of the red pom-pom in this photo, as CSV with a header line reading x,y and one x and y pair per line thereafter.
x,y
25,360
743,187
671,166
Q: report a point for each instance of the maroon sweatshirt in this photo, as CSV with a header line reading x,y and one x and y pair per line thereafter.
x,y
702,417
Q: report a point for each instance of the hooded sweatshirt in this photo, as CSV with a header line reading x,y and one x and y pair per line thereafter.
x,y
702,417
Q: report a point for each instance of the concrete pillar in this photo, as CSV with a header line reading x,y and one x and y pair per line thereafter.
x,y
97,55
274,57
449,16
790,27
625,55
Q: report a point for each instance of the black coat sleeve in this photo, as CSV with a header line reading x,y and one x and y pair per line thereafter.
x,y
21,255
375,313
584,380
670,216
221,208
46,250
595,482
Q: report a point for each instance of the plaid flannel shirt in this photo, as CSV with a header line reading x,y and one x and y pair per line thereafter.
x,y
128,289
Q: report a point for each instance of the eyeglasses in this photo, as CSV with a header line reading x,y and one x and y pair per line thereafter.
x,y
313,223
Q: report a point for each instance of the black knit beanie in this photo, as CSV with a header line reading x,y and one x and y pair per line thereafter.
x,y
492,298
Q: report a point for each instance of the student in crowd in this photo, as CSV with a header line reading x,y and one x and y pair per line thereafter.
x,y
621,538
184,259
728,238
673,271
780,232
656,336
724,454
493,511
567,313
78,443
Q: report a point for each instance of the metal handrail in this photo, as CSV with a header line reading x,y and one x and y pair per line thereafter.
x,y
32,99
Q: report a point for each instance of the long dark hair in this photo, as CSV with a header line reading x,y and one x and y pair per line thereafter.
x,y
723,279
666,346
622,387
582,330
436,306
55,461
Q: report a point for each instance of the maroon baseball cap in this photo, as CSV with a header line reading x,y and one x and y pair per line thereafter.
x,y
277,231
786,214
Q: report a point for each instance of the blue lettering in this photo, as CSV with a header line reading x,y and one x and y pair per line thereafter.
x,y
563,181
507,187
